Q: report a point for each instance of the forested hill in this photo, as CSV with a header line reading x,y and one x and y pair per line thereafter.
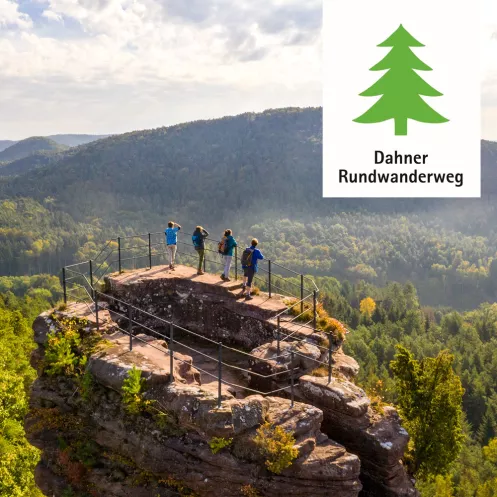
x,y
260,174
28,146
272,159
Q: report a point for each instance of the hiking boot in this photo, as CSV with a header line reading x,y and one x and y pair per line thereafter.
x,y
171,266
248,297
226,279
223,277
200,273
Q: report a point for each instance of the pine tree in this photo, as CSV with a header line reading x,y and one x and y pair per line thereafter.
x,y
429,399
401,86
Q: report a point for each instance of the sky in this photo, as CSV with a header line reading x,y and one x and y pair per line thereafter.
x,y
111,66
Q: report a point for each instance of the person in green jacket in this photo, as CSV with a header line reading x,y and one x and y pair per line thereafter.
x,y
227,254
198,239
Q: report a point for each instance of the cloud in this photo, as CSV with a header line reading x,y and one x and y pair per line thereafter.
x,y
115,65
52,16
11,17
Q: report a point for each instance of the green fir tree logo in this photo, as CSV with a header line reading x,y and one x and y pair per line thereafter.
x,y
401,87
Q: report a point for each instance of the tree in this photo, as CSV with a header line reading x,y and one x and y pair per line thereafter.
x,y
430,402
367,307
401,86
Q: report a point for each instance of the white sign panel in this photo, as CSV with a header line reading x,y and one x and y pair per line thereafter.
x,y
401,98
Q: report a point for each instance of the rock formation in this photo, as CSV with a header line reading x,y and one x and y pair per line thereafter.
x,y
92,444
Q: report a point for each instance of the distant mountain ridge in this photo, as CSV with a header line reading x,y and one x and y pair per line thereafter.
x,y
26,147
66,140
72,140
271,159
6,144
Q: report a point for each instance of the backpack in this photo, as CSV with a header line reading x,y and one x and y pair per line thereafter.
x,y
223,246
197,240
247,257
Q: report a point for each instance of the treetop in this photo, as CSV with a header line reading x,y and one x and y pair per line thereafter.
x,y
401,37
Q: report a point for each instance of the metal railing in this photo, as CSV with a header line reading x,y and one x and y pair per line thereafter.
x,y
118,255
146,248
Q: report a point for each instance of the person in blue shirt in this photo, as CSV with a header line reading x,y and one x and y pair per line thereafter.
x,y
229,245
171,233
249,265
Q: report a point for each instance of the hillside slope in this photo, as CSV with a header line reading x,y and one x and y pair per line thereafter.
x,y
273,159
26,147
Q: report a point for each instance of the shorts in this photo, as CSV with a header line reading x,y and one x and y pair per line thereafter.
x,y
249,273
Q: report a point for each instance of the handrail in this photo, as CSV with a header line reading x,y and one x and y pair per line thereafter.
x,y
154,250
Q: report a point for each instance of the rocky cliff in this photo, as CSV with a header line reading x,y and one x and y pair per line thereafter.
x,y
189,434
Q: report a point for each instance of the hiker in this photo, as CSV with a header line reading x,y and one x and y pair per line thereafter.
x,y
171,233
198,239
250,257
226,246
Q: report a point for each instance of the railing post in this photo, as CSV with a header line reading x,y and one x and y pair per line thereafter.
x,y
205,250
314,307
91,278
171,352
119,253
301,293
130,328
330,359
269,282
278,337
96,309
236,263
150,251
292,357
64,284
220,373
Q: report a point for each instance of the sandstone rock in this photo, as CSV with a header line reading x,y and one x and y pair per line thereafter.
x,y
319,471
338,395
344,365
110,367
180,447
379,440
41,327
305,358
249,413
